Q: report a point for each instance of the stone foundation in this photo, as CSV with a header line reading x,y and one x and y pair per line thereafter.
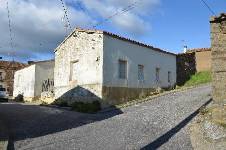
x,y
31,99
117,95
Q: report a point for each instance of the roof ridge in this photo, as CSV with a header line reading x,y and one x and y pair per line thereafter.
x,y
116,36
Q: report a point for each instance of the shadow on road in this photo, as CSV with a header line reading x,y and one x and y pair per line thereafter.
x,y
30,121
165,137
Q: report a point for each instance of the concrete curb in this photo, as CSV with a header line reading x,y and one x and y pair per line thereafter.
x,y
139,101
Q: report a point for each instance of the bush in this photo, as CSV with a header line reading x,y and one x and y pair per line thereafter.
x,y
60,102
63,104
19,98
43,103
3,100
93,107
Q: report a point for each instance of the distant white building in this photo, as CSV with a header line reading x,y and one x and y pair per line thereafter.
x,y
35,80
93,64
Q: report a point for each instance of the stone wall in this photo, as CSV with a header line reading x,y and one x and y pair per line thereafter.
x,y
186,66
218,46
33,80
203,60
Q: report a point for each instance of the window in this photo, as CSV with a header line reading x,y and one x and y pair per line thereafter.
x,y
169,76
140,72
1,77
73,70
157,72
2,89
122,69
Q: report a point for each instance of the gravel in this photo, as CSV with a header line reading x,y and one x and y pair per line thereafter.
x,y
159,123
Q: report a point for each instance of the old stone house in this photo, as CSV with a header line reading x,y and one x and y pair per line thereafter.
x,y
93,64
35,80
7,70
202,58
191,62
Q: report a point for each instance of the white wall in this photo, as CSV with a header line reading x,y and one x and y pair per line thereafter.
x,y
24,82
43,72
86,49
29,80
115,49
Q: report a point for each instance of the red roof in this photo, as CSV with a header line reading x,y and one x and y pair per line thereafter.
x,y
198,50
11,65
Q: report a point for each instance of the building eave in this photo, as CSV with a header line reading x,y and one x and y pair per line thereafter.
x,y
115,36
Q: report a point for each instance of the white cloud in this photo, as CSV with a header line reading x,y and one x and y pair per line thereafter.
x,y
37,24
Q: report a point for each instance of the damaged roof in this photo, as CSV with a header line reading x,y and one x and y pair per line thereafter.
x,y
11,65
115,36
217,19
198,50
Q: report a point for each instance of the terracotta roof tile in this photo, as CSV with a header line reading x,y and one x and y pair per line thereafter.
x,y
11,64
198,50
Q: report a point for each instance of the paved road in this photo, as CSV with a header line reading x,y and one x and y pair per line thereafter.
x,y
160,123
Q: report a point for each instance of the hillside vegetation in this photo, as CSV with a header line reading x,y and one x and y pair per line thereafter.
x,y
199,78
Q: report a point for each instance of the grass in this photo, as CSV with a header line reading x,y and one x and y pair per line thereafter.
x,y
199,78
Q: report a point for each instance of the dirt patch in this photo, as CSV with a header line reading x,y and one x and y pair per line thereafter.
x,y
207,133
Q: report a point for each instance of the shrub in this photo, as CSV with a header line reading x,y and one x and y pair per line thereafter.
x,y
93,107
199,78
3,100
19,98
61,103
43,103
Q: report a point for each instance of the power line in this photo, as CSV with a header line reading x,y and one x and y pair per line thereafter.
x,y
66,14
208,7
10,27
124,10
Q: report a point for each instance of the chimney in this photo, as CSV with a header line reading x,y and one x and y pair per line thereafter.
x,y
185,48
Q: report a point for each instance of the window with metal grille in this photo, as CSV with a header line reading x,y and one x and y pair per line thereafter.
x,y
140,72
122,69
169,76
157,72
1,76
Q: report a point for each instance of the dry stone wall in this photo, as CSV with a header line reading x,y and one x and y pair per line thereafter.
x,y
218,46
186,66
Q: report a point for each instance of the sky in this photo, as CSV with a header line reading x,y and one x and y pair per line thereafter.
x,y
38,26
